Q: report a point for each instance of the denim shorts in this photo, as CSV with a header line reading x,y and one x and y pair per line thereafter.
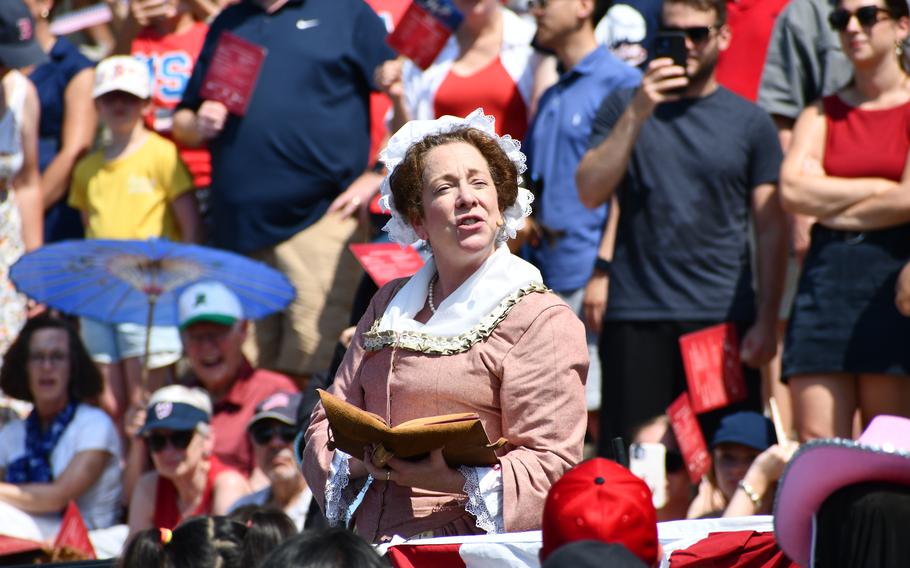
x,y
110,343
844,319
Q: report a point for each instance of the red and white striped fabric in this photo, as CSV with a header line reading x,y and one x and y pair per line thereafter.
x,y
510,550
693,540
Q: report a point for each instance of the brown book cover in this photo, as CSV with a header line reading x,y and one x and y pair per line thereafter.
x,y
461,436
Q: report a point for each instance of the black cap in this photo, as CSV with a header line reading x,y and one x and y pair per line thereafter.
x,y
18,47
281,406
592,554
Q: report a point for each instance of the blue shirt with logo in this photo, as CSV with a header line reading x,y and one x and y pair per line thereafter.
x,y
557,139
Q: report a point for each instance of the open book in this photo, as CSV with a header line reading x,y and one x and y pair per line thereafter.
x,y
461,436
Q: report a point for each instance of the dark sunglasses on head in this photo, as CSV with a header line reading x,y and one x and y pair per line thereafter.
x,y
867,16
696,34
264,433
179,440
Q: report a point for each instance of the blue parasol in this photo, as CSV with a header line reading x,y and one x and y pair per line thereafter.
x,y
115,281
120,281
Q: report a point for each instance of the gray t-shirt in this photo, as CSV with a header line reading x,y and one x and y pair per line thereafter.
x,y
804,61
682,248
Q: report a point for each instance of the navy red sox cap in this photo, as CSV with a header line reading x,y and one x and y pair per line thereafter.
x,y
18,47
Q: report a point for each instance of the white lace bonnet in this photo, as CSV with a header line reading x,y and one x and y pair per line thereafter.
x,y
399,228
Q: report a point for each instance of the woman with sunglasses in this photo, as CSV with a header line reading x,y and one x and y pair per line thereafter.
x,y
488,62
67,448
188,479
846,346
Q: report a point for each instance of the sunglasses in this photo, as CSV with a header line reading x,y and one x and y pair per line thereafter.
x,y
867,16
178,440
264,433
696,34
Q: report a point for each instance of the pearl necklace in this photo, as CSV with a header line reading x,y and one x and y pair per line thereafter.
x,y
430,292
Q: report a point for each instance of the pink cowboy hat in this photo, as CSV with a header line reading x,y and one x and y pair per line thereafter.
x,y
821,467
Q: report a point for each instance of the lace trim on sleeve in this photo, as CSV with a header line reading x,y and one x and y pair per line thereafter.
x,y
339,477
341,496
483,486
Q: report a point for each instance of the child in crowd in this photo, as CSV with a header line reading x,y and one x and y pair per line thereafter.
x,y
201,542
747,462
169,42
133,187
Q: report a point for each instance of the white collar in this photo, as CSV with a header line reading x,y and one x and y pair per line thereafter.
x,y
501,275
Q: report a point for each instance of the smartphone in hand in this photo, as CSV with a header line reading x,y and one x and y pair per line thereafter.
x,y
648,461
672,44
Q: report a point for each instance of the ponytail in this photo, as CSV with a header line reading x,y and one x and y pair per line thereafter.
x,y
199,542
266,529
145,549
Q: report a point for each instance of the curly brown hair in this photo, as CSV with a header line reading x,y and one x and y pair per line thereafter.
x,y
407,180
85,379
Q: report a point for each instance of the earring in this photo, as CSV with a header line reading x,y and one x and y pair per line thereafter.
x,y
501,234
899,49
45,13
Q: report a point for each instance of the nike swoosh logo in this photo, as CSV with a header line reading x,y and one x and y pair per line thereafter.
x,y
307,24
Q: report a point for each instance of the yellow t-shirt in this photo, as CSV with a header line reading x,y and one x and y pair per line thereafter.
x,y
129,197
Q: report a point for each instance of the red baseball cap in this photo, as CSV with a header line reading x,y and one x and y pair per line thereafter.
x,y
601,500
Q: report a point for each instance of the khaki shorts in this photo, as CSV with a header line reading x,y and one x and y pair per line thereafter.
x,y
301,340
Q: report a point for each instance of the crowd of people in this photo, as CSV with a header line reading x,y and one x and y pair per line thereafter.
x,y
586,183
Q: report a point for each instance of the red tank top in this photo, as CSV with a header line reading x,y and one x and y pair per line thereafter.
x,y
866,143
167,513
492,89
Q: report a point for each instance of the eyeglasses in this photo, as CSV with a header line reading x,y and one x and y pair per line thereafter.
x,y
696,34
538,4
217,336
179,440
264,433
54,358
867,16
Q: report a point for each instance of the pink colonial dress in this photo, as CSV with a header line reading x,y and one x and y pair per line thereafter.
x,y
502,345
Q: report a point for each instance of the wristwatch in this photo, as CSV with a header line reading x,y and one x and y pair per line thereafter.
x,y
602,265
750,493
